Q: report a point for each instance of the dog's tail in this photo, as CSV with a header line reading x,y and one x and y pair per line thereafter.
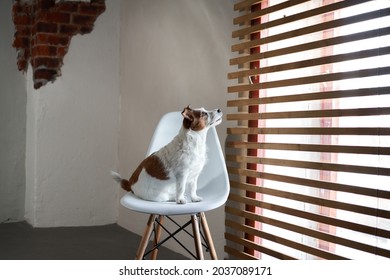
x,y
125,184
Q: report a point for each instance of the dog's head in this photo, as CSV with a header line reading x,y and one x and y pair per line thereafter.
x,y
199,119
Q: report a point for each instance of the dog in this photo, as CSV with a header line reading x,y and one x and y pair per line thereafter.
x,y
171,172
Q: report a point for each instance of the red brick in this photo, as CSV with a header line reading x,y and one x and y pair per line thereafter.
x,y
21,42
91,9
46,27
23,30
46,62
61,51
17,8
58,17
58,40
83,19
22,19
86,29
41,38
38,84
22,64
45,74
44,50
68,29
44,4
67,6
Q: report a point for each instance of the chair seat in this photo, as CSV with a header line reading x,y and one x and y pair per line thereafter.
x,y
210,201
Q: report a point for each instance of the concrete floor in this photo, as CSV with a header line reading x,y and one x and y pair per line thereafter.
x,y
20,241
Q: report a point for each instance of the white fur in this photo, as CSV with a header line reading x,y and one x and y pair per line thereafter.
x,y
183,159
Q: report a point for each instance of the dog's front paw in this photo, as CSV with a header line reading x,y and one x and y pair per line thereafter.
x,y
196,198
181,200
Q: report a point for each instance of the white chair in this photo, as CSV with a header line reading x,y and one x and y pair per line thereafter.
x,y
213,187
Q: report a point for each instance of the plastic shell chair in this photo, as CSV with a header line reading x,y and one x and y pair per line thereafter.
x,y
213,187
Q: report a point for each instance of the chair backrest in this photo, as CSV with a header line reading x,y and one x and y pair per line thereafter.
x,y
214,172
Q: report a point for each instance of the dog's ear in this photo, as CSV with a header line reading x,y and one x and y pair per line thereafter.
x,y
187,113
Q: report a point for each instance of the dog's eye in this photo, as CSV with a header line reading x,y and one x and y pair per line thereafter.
x,y
205,114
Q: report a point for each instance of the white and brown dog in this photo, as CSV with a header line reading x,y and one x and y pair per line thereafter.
x,y
169,173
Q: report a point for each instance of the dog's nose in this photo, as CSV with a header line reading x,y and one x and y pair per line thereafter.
x,y
218,110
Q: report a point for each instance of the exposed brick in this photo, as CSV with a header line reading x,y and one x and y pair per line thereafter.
x,y
46,27
58,17
39,83
44,50
17,8
58,40
45,74
22,19
22,64
46,62
43,31
22,30
40,38
68,29
44,4
82,19
61,51
85,29
21,42
91,9
68,6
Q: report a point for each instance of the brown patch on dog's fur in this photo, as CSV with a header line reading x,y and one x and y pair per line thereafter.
x,y
152,165
194,120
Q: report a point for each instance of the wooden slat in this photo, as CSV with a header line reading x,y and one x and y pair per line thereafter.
x,y
306,63
257,247
311,130
315,200
325,95
291,18
381,171
238,254
321,148
315,27
311,216
311,114
245,4
247,44
253,15
370,170
308,232
311,79
373,192
283,241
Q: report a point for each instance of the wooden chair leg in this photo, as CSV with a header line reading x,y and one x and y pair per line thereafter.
x,y
157,236
197,240
145,238
208,237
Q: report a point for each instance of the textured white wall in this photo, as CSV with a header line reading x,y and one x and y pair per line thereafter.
x,y
72,133
12,124
173,53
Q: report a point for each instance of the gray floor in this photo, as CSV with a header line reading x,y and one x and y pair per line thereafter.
x,y
20,241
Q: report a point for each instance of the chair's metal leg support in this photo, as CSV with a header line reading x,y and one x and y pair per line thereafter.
x,y
172,235
207,234
145,238
157,235
197,240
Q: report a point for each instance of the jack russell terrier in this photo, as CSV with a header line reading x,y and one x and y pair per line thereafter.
x,y
169,173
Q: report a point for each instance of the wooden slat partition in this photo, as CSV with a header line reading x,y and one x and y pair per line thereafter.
x,y
322,186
